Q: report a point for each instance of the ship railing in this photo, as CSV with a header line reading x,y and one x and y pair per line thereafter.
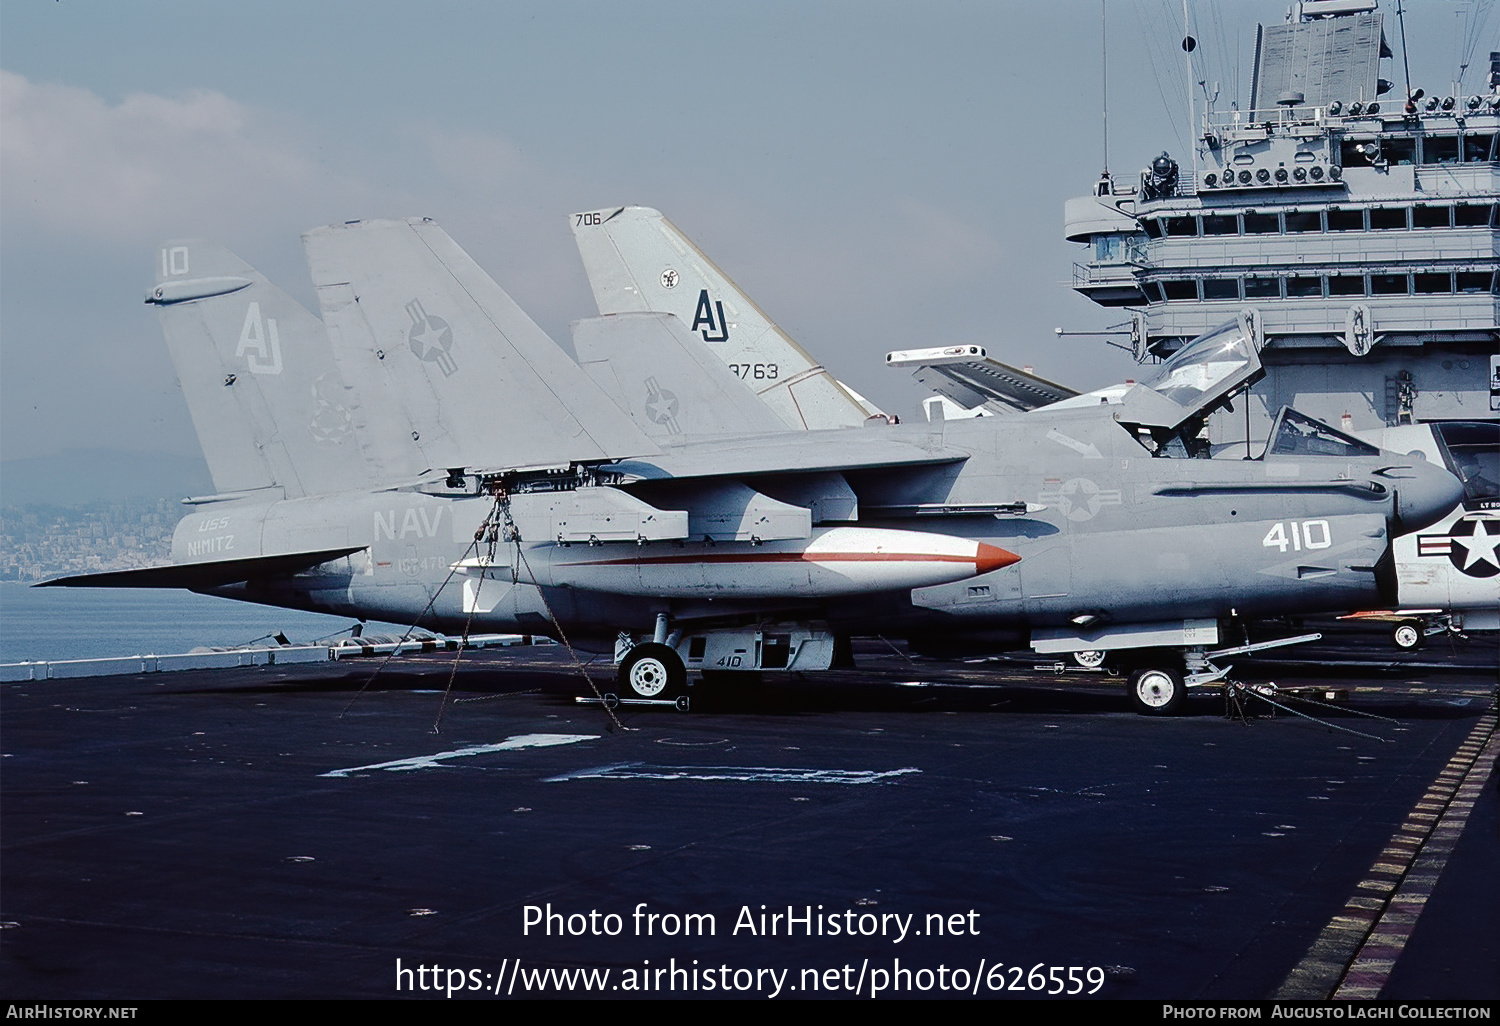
x,y
1230,123
1104,274
1281,117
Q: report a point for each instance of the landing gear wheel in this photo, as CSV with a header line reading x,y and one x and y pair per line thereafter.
x,y
652,671
1407,635
1156,692
1090,659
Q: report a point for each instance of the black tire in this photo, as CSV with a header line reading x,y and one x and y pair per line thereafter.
x,y
652,671
1407,635
1157,692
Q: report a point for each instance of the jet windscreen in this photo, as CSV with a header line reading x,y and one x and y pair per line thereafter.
x,y
1297,434
1473,451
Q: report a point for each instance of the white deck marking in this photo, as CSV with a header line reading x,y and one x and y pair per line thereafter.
x,y
774,774
510,744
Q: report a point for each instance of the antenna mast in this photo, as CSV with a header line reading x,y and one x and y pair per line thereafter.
x,y
1104,79
1189,44
1405,61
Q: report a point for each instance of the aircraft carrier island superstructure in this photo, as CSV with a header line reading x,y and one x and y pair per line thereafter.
x,y
1355,226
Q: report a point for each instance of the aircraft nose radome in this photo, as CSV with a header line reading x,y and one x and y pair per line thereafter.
x,y
992,557
1425,496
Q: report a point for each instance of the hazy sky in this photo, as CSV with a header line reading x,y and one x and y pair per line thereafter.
x,y
876,176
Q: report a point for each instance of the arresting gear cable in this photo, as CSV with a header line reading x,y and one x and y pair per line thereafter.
x,y
1236,693
498,524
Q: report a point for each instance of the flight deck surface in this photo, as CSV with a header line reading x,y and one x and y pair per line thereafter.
x,y
295,831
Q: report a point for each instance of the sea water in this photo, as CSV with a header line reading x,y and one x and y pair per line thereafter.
x,y
89,623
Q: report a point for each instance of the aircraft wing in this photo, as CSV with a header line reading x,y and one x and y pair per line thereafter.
x,y
970,377
637,260
204,575
479,381
795,452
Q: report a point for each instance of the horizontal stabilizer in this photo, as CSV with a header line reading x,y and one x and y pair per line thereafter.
x,y
199,576
969,377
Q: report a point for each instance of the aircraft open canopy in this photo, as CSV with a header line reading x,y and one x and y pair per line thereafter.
x,y
1198,377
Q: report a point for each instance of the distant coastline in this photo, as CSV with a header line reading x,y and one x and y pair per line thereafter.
x,y
91,510
95,623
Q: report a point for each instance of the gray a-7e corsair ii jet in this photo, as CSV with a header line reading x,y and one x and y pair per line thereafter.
x,y
471,478
638,260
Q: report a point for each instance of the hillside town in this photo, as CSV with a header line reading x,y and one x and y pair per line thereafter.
x,y
38,541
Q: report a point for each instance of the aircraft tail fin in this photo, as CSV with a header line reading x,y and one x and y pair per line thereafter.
x,y
267,401
637,260
481,384
649,365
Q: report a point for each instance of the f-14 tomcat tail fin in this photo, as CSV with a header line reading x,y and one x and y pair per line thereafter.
x,y
649,365
637,260
266,398
481,384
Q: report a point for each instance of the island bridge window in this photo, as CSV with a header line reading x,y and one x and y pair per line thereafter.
x,y
1388,217
1346,220
1432,284
1359,152
1221,224
1479,148
1182,227
1262,288
1426,216
1153,227
1108,249
1474,281
1304,288
1399,150
1262,224
1304,221
1221,288
1346,285
1388,285
1440,149
1474,215
1180,289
